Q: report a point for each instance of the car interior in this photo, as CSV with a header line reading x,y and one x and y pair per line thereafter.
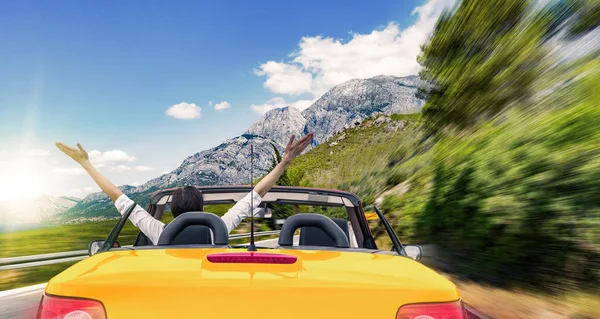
x,y
196,234
202,228
313,227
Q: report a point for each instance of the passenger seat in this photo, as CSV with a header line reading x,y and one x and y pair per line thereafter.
x,y
313,236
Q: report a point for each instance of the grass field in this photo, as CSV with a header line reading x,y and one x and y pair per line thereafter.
x,y
70,237
61,238
16,278
51,240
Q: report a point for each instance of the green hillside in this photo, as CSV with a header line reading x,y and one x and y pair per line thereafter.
x,y
361,159
514,203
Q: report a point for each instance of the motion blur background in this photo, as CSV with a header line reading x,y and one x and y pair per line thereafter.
x,y
500,170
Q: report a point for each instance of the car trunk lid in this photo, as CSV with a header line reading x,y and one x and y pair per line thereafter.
x,y
227,283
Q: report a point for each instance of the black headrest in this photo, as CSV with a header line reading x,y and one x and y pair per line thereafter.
x,y
313,236
192,219
193,235
324,223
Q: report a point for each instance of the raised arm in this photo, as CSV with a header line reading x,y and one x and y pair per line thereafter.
x,y
242,208
80,156
292,150
140,218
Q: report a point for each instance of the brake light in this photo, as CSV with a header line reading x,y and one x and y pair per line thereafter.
x,y
252,257
52,307
447,310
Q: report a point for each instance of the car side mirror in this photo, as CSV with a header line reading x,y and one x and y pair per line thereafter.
x,y
413,251
95,245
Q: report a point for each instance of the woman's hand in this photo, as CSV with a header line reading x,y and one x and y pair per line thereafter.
x,y
294,149
78,154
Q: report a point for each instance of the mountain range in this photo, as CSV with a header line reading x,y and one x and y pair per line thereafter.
x,y
343,106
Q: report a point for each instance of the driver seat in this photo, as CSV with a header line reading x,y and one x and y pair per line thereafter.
x,y
193,235
195,228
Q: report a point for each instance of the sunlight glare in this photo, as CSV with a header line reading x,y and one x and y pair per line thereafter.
x,y
20,180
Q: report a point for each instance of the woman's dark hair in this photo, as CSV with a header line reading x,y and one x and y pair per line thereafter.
x,y
186,199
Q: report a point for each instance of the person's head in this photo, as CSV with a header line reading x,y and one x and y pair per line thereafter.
x,y
186,199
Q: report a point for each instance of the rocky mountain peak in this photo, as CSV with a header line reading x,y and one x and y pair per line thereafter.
x,y
356,99
228,163
279,124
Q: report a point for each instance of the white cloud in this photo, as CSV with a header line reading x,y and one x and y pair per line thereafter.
x,y
114,156
113,160
125,168
184,111
273,103
91,189
68,171
210,103
135,184
302,104
38,153
285,78
279,102
222,106
165,172
323,62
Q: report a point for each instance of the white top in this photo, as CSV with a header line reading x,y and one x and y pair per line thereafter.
x,y
152,227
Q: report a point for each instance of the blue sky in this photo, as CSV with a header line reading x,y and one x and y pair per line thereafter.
x,y
104,73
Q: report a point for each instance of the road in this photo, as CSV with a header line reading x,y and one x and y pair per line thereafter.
x,y
20,303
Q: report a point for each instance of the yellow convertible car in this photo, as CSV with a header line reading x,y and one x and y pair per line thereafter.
x,y
325,263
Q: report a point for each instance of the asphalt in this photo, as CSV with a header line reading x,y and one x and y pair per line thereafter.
x,y
21,303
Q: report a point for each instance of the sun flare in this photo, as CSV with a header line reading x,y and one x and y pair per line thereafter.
x,y
20,180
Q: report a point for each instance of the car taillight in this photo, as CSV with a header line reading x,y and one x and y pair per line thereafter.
x,y
52,307
252,257
446,310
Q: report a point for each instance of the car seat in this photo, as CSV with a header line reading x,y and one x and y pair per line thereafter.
x,y
313,236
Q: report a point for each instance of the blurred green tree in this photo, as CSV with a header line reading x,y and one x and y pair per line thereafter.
x,y
485,56
512,190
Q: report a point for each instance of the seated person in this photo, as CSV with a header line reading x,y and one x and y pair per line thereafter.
x,y
185,199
